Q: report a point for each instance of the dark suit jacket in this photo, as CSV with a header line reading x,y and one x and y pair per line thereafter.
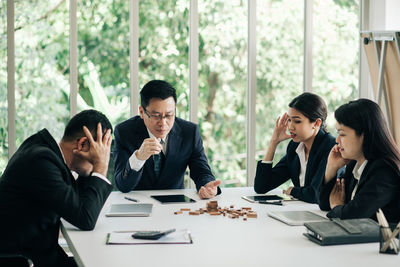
x,y
185,148
36,189
268,177
379,187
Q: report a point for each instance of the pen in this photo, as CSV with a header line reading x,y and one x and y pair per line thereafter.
x,y
131,199
278,202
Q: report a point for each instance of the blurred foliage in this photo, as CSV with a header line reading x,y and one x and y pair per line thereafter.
x,y
42,65
3,87
279,66
335,46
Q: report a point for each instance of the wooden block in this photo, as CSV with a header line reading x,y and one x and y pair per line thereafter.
x,y
252,215
232,206
246,208
177,212
185,209
214,213
232,216
194,212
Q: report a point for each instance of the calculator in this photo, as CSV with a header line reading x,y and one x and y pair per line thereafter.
x,y
153,235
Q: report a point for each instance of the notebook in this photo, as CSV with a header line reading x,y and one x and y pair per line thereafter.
x,y
130,210
296,217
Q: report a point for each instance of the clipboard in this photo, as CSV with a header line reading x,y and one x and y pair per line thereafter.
x,y
182,236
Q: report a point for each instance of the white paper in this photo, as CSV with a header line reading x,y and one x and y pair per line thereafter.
x,y
181,236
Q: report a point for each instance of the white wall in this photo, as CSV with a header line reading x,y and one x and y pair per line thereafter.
x,y
392,11
382,15
377,14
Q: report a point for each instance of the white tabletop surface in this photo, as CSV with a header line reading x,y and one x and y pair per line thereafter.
x,y
217,240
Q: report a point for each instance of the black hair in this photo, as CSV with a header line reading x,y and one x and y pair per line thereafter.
x,y
156,89
89,118
312,106
366,118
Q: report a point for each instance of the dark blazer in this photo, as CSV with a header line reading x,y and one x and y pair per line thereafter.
x,y
268,177
36,189
185,148
379,187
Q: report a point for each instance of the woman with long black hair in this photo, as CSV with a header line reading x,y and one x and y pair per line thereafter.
x,y
306,154
371,180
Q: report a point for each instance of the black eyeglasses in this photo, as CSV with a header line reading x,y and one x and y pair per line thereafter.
x,y
158,117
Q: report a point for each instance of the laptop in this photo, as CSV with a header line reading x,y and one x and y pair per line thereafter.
x,y
130,210
296,217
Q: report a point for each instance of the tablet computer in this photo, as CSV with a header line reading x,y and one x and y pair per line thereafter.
x,y
165,199
130,210
258,198
296,217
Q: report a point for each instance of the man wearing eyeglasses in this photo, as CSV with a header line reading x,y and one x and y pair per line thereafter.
x,y
154,149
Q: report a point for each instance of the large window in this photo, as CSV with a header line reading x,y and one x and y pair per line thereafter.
x,y
164,46
3,87
103,58
279,66
335,53
222,86
41,74
42,40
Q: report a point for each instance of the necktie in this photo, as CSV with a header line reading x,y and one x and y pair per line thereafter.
x,y
158,161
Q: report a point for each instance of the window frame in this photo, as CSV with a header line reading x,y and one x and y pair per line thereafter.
x,y
251,89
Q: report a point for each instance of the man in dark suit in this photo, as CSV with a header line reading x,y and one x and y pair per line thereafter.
x,y
153,150
38,188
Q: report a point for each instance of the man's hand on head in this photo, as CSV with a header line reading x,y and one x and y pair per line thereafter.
x,y
149,147
98,153
209,190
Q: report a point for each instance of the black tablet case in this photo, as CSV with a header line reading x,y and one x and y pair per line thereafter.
x,y
336,231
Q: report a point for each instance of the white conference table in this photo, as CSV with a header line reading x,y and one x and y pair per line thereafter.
x,y
217,240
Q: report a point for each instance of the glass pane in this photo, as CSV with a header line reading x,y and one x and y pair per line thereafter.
x,y
164,46
280,34
335,53
103,61
3,86
41,60
222,87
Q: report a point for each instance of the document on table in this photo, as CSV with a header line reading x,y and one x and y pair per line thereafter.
x,y
181,236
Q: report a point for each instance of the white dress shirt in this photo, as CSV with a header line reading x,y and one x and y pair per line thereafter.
x,y
300,150
357,172
303,163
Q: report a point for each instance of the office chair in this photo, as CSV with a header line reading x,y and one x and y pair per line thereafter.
x,y
14,260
